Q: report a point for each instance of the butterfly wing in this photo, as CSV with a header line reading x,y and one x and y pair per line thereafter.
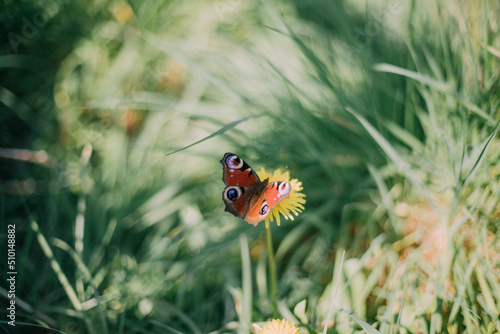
x,y
261,205
237,172
276,192
246,196
257,210
241,181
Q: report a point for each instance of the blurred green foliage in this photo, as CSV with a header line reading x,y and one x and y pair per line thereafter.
x,y
386,111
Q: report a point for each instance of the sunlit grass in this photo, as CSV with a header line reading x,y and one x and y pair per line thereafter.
x,y
387,114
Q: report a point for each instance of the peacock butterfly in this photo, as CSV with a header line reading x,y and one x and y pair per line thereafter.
x,y
246,196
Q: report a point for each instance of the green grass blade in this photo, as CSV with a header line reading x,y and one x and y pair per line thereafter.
x,y
439,86
218,132
391,153
386,197
70,292
334,297
80,216
247,297
482,155
405,136
366,326
86,274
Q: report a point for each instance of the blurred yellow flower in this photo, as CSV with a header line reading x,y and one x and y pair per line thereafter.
x,y
290,206
279,327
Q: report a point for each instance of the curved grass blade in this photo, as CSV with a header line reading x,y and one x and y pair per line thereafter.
x,y
61,276
391,153
482,155
366,326
439,86
218,132
88,276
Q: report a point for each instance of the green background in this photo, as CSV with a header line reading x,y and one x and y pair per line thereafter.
x,y
386,111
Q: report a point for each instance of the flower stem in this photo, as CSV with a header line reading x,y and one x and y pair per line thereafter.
x,y
272,272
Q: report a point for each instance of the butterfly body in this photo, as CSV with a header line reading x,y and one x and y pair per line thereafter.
x,y
245,195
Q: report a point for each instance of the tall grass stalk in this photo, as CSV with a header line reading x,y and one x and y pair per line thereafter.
x,y
247,296
334,297
273,275
387,112
63,280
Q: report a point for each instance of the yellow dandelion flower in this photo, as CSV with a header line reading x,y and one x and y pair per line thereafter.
x,y
279,327
290,206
